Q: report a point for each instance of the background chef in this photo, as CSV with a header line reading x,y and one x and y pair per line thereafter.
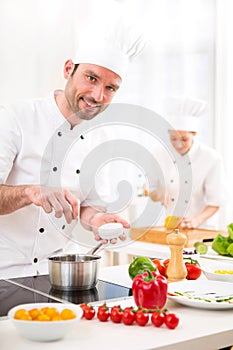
x,y
207,181
43,143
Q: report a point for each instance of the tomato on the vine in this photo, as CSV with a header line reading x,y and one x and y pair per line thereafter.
x,y
157,318
171,321
116,314
88,312
103,313
128,316
83,306
141,318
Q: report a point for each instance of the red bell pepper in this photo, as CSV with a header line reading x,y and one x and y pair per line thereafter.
x,y
150,290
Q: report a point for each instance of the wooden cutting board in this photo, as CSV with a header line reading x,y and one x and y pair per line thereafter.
x,y
158,235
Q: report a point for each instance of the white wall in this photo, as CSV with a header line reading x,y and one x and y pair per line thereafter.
x,y
38,36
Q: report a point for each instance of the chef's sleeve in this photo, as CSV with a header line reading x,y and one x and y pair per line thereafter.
x,y
10,140
215,184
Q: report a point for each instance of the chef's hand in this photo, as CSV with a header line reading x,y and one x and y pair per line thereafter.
x,y
58,199
161,195
199,218
188,223
100,219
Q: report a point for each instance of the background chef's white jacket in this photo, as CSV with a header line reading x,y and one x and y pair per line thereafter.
x,y
207,181
38,147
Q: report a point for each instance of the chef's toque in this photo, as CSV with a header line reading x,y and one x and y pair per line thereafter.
x,y
110,46
183,113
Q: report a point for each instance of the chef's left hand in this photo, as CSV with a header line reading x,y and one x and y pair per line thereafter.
x,y
100,219
188,223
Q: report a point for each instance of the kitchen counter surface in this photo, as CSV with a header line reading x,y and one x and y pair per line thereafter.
x,y
199,329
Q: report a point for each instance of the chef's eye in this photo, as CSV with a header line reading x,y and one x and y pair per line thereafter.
x,y
110,88
91,78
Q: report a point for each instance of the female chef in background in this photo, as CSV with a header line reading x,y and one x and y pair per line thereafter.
x,y
208,179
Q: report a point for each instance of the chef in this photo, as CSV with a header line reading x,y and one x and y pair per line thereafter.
x,y
44,142
207,180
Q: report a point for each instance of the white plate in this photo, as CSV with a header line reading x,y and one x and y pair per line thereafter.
x,y
211,254
205,290
216,256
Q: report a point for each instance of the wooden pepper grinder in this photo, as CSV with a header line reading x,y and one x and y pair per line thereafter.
x,y
176,270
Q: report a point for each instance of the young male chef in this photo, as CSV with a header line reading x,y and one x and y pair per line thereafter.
x,y
43,144
207,180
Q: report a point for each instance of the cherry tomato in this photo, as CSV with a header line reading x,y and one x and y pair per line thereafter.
x,y
141,318
171,321
193,271
116,314
83,307
157,319
128,316
88,312
103,314
160,267
192,266
103,306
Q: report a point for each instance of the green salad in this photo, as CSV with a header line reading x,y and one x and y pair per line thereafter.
x,y
223,245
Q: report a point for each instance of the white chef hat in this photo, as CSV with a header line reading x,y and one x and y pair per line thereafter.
x,y
110,46
183,112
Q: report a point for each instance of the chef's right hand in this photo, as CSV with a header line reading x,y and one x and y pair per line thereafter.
x,y
58,199
161,195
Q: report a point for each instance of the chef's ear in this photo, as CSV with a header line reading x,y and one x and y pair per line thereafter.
x,y
68,68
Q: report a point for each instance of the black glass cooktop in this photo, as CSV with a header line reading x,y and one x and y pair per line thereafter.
x,y
38,289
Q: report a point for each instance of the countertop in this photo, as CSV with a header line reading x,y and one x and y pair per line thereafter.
x,y
199,329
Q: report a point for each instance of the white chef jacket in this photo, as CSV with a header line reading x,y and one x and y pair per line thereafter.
x,y
33,140
207,181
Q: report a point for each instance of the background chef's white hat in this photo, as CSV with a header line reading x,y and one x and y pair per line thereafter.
x,y
183,113
112,44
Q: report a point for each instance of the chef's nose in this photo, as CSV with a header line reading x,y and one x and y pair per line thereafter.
x,y
98,93
179,144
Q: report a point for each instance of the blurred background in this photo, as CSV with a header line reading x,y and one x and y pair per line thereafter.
x,y
189,51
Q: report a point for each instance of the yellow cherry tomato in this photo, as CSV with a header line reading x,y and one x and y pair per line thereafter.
x,y
22,314
42,317
67,314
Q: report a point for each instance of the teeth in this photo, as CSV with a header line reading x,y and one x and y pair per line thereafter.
x,y
90,104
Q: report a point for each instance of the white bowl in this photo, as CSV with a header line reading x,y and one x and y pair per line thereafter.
x,y
44,331
209,267
110,230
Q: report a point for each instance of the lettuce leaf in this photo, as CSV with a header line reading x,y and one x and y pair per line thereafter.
x,y
220,244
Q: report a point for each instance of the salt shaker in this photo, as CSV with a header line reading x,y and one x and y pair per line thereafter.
x,y
176,270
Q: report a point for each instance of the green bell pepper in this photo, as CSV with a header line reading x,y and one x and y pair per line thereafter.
x,y
140,265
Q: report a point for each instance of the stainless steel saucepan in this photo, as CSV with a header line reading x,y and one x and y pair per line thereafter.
x,y
71,272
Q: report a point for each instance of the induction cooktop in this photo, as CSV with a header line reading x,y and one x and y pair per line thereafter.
x,y
38,289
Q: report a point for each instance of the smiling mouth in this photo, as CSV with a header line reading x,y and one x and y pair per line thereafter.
x,y
90,105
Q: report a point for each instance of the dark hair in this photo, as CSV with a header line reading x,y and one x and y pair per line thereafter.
x,y
75,68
